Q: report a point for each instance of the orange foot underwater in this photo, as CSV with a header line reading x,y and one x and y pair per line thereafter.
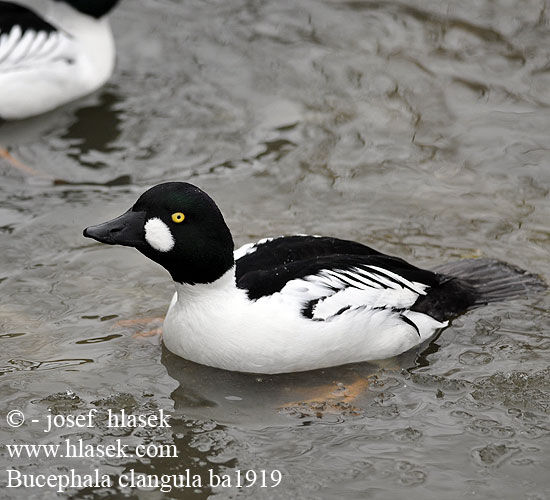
x,y
334,398
15,163
138,322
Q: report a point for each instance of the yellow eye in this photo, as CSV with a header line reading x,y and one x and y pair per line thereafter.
x,y
178,217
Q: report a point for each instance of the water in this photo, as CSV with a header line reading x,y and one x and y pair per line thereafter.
x,y
420,129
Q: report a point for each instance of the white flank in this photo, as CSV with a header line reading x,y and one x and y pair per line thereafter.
x,y
217,325
158,235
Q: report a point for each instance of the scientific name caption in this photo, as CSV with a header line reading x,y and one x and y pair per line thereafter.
x,y
78,448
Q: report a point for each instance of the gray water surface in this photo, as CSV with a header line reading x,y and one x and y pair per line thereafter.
x,y
420,128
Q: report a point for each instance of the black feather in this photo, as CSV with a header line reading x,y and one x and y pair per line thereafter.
x,y
94,8
268,269
410,322
288,249
470,283
12,14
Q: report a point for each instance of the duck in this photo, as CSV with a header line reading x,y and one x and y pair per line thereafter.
x,y
294,303
52,52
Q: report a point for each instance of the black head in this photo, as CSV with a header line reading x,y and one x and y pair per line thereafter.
x,y
94,8
178,226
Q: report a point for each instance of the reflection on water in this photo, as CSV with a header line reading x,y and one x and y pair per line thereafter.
x,y
95,129
260,400
419,128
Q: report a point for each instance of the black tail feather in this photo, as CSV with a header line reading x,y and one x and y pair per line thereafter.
x,y
466,284
493,280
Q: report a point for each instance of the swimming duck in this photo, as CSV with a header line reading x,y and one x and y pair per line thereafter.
x,y
293,303
52,52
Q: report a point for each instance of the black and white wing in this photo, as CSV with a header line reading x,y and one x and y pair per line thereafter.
x,y
347,275
326,277
328,288
26,39
332,292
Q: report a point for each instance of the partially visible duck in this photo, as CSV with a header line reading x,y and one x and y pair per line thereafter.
x,y
52,52
293,303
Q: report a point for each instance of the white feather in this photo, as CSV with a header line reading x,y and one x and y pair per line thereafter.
x,y
158,235
244,250
8,41
335,290
418,287
249,248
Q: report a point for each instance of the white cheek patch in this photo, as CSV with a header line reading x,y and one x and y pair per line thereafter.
x,y
158,235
